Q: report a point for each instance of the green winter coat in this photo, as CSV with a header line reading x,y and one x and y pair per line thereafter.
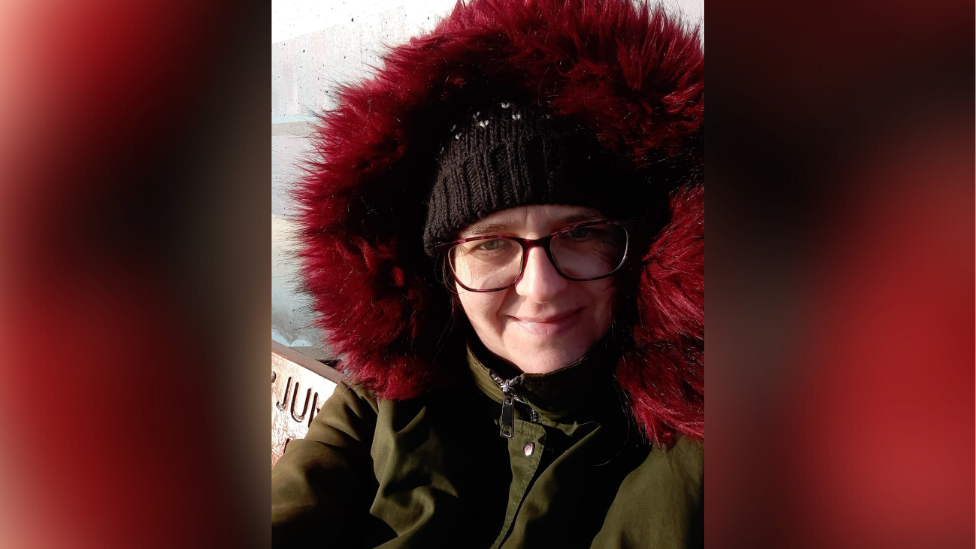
x,y
435,472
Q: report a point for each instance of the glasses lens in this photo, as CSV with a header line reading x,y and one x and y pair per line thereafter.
x,y
591,251
486,264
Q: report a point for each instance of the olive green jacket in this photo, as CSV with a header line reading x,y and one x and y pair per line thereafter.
x,y
436,472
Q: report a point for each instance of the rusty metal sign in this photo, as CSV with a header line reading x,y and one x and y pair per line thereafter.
x,y
299,387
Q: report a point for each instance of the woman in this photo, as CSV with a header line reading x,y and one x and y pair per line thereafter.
x,y
542,158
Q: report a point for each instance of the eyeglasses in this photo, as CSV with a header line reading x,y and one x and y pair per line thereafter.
x,y
588,251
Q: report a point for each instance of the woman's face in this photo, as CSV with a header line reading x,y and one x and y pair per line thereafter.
x,y
544,322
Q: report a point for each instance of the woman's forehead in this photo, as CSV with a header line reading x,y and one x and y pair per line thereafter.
x,y
544,218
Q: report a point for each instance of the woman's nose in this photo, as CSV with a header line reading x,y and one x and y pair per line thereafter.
x,y
540,282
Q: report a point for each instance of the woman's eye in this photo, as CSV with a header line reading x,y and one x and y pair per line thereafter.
x,y
580,232
490,245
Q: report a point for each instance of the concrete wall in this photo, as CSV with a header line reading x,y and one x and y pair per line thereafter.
x,y
315,45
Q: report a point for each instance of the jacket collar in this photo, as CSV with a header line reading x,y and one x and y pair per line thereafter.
x,y
579,392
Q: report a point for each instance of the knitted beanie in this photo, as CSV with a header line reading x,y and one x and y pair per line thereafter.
x,y
505,156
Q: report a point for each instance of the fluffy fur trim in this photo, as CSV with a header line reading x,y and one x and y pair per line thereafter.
x,y
630,75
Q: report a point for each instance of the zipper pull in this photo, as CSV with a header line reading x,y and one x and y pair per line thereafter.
x,y
507,421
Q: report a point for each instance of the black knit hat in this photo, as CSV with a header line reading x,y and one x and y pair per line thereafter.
x,y
505,156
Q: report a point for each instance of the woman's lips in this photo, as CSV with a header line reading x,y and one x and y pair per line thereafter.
x,y
548,325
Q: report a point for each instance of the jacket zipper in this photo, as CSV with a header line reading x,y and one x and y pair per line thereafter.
x,y
509,397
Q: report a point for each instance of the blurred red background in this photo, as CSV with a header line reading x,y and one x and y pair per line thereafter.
x,y
840,275
134,173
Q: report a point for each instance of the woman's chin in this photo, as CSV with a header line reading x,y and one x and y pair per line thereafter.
x,y
546,360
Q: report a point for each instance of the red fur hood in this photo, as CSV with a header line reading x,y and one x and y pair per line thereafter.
x,y
631,76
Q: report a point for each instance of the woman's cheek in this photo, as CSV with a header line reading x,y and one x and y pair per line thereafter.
x,y
482,310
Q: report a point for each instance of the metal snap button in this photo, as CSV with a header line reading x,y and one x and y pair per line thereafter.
x,y
528,448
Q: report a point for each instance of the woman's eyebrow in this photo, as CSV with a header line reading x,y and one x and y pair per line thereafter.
x,y
484,228
588,215
501,226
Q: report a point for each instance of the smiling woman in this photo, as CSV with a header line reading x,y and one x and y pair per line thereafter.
x,y
526,309
545,157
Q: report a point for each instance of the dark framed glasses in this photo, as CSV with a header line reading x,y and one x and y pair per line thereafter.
x,y
489,263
